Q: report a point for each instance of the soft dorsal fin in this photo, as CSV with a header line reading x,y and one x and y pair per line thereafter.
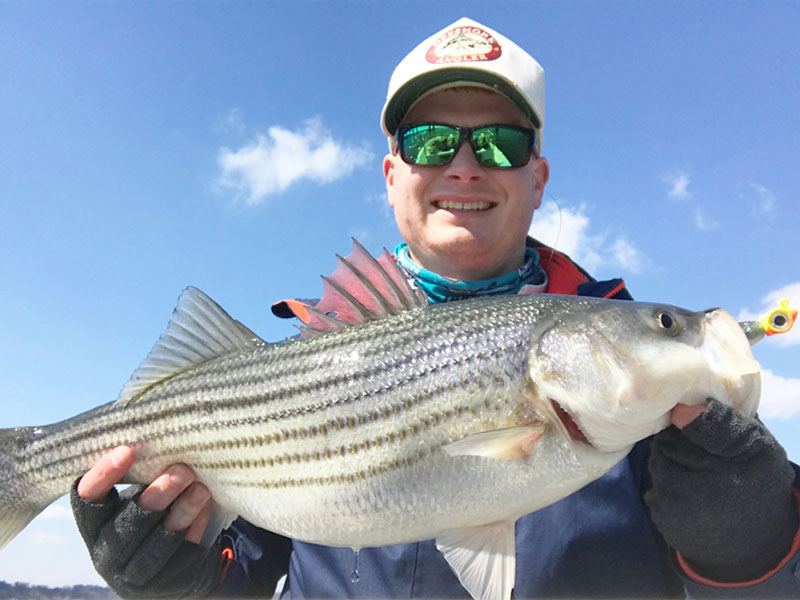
x,y
198,330
361,289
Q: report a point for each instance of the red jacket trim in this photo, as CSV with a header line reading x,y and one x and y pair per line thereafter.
x,y
227,559
563,276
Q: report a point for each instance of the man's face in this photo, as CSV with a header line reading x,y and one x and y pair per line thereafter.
x,y
463,220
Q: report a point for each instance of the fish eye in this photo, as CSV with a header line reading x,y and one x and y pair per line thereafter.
x,y
666,320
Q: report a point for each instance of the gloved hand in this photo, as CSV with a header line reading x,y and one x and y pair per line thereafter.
x,y
721,494
137,556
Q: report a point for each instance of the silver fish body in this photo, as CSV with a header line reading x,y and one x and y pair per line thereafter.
x,y
428,423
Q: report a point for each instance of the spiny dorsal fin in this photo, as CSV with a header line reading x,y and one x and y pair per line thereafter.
x,y
361,289
318,323
198,330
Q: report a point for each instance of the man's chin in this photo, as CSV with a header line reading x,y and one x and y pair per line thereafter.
x,y
469,259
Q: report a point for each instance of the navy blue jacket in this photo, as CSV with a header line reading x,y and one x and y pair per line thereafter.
x,y
597,542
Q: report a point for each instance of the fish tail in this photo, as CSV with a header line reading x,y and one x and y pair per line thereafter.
x,y
18,503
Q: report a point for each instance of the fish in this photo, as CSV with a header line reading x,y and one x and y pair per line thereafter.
x,y
390,420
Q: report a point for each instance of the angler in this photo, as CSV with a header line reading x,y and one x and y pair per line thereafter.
x,y
550,444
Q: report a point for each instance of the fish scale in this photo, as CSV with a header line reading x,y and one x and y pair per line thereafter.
x,y
441,421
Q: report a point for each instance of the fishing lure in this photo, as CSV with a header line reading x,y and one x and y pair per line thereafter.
x,y
779,320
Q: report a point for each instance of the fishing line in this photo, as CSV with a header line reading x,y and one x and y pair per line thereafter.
x,y
558,230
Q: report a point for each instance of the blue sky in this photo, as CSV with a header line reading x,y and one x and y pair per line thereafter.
x,y
235,146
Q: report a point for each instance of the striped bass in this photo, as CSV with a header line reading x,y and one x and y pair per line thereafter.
x,y
394,420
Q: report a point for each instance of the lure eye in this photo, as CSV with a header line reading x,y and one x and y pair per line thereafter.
x,y
780,321
667,321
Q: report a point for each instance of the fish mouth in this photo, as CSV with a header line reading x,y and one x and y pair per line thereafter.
x,y
573,429
477,206
737,373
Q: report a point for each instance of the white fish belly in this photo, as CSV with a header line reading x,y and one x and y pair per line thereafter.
x,y
390,498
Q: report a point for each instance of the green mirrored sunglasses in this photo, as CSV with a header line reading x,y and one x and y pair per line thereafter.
x,y
496,145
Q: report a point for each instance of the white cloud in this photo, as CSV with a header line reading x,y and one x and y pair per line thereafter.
x,y
766,202
780,396
380,198
231,121
772,301
364,236
39,537
627,256
678,182
56,512
567,230
701,222
273,162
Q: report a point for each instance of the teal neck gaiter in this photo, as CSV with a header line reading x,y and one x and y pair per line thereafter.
x,y
442,289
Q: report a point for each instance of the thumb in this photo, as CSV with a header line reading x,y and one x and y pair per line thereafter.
x,y
683,414
725,432
107,472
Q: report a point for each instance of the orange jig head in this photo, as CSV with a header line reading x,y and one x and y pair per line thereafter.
x,y
779,320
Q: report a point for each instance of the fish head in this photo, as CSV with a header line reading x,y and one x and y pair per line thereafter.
x,y
613,370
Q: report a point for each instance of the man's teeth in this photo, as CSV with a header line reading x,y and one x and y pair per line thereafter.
x,y
451,205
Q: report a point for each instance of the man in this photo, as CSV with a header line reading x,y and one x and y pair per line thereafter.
x,y
709,505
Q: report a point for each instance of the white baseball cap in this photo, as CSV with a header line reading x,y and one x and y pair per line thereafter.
x,y
465,52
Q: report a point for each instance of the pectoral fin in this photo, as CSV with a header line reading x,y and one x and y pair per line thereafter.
x,y
483,559
514,442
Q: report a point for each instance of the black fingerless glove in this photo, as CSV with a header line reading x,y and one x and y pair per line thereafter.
x,y
721,495
136,556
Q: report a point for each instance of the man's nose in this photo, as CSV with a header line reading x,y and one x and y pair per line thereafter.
x,y
464,164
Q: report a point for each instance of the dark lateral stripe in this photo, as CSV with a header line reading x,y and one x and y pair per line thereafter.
x,y
89,429
311,431
386,440
296,363
286,458
168,417
400,462
135,415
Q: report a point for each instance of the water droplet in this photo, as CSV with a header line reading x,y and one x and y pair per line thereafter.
x,y
354,576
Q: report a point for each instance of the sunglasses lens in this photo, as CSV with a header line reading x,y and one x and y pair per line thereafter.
x,y
502,146
498,146
429,144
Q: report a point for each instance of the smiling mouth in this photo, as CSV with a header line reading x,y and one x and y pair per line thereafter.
x,y
452,205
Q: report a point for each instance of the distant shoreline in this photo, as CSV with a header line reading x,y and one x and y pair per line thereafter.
x,y
23,591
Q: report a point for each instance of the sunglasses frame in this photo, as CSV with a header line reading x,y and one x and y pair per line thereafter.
x,y
465,133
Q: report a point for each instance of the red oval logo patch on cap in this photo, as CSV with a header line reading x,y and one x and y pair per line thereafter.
x,y
463,44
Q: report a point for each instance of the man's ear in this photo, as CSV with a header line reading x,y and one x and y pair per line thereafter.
x,y
541,175
541,171
388,174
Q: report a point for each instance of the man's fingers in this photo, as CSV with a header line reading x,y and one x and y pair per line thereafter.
x,y
105,474
200,521
188,501
684,414
166,488
187,507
